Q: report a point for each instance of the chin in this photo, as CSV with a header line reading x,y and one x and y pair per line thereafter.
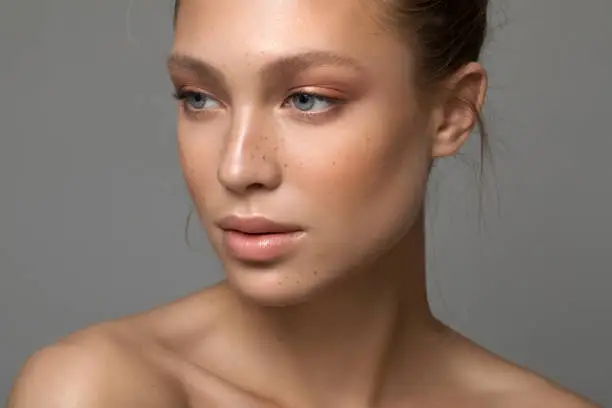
x,y
277,286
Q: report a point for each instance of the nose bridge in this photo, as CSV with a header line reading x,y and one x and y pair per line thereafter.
x,y
249,155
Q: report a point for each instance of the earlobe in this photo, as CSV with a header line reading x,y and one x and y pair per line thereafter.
x,y
460,109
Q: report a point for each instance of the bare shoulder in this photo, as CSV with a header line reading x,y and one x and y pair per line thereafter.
x,y
524,388
528,389
497,382
542,393
131,362
92,368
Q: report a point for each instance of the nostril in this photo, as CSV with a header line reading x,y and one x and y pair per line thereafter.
x,y
255,186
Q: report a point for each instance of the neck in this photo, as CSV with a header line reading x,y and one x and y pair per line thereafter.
x,y
336,350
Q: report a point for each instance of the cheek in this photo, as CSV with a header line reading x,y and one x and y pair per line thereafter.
x,y
198,158
378,180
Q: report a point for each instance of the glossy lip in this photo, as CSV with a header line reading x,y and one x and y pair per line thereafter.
x,y
256,225
258,239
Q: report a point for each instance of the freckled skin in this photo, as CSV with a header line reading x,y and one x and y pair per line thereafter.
x,y
344,320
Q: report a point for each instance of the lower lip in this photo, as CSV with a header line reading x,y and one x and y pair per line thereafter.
x,y
260,247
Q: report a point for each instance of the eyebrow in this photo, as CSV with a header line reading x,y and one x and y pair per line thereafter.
x,y
202,69
283,67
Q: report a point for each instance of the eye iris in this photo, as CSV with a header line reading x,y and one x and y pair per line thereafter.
x,y
304,102
197,101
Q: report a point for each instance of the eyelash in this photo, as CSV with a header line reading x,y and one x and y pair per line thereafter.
x,y
182,95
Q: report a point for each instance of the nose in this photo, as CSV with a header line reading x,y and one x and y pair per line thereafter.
x,y
249,160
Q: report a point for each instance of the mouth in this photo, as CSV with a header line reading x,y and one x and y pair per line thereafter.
x,y
259,239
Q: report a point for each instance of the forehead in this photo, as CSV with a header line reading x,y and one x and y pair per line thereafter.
x,y
246,28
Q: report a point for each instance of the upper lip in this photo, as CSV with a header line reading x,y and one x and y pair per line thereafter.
x,y
256,225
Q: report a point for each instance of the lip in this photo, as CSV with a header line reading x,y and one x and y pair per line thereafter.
x,y
256,225
258,239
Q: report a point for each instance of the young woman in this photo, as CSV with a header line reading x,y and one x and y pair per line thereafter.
x,y
306,131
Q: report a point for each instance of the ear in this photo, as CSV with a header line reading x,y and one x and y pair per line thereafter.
x,y
461,102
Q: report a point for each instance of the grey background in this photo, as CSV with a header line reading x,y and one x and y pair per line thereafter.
x,y
92,204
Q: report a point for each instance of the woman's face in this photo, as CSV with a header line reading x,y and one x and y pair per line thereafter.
x,y
304,114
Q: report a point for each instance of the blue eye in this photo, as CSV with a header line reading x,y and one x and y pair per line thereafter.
x,y
307,102
196,101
